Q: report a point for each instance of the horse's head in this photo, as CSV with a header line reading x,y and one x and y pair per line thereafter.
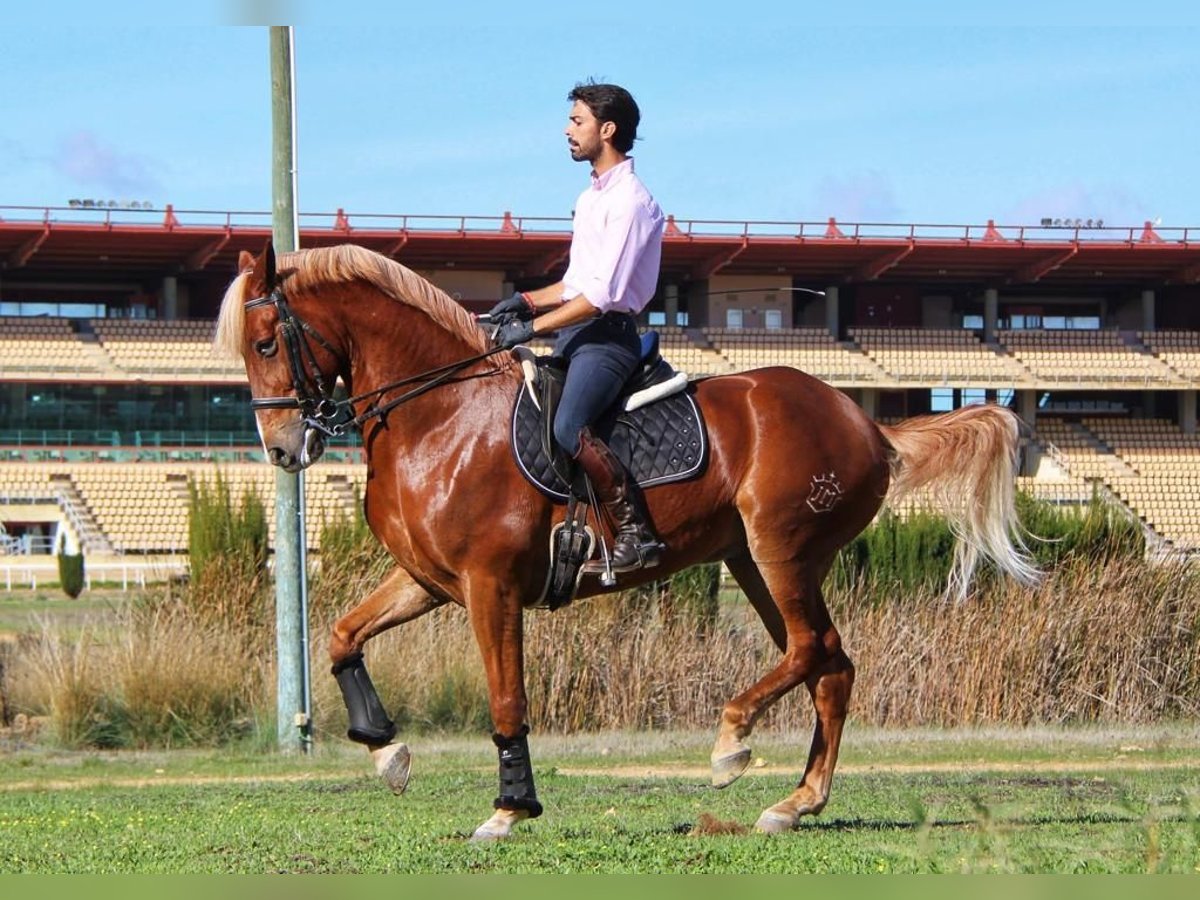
x,y
277,322
291,367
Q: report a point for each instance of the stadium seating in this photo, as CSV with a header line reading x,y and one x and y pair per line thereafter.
x,y
687,355
122,349
1150,464
180,348
26,482
140,348
938,356
143,508
1067,490
1180,350
39,347
812,350
1079,450
1086,358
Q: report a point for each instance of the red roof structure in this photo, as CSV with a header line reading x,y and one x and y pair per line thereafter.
x,y
73,242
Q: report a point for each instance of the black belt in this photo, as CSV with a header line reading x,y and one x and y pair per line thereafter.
x,y
615,316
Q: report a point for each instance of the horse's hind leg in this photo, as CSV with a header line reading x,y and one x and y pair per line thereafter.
x,y
397,599
830,689
730,756
787,596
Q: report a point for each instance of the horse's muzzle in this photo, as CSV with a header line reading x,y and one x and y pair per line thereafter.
x,y
280,457
312,449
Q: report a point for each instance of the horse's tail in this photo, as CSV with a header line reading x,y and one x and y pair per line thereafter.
x,y
965,463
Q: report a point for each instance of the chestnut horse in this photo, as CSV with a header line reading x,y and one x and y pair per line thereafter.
x,y
796,470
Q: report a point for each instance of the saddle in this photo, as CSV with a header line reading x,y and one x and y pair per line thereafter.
x,y
655,429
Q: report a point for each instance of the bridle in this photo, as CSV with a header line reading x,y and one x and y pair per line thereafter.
x,y
313,391
314,398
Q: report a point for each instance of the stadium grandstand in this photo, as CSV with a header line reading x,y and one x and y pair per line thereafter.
x,y
111,399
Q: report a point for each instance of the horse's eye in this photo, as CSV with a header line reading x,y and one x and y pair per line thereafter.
x,y
267,347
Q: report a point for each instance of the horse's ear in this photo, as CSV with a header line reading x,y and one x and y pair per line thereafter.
x,y
269,265
261,267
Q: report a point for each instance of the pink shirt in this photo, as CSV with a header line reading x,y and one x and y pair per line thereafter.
x,y
616,247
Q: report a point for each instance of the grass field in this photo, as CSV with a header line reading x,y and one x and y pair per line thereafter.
x,y
1041,801
1101,799
24,612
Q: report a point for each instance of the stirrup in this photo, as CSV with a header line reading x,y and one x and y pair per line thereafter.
x,y
648,556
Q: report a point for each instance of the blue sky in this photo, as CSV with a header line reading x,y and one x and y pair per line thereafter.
x,y
752,111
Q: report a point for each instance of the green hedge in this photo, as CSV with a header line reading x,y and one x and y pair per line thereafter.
x,y
227,552
917,553
352,563
221,533
70,573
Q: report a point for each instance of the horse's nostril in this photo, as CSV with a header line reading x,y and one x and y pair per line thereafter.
x,y
278,457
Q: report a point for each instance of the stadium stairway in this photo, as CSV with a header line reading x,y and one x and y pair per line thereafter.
x,y
92,538
89,342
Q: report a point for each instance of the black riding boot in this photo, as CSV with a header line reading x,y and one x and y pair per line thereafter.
x,y
635,545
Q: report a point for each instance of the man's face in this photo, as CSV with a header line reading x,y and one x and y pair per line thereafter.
x,y
585,133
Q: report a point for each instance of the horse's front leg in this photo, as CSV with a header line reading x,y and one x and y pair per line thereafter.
x,y
496,618
397,600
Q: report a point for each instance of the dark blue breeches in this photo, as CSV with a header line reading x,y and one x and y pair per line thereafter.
x,y
601,356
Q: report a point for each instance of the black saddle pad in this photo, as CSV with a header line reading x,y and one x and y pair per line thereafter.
x,y
659,443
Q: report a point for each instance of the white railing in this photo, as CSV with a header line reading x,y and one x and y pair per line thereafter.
x,y
28,575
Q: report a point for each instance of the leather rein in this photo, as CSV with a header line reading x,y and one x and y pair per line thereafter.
x,y
314,390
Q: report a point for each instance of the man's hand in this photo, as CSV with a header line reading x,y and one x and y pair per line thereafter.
x,y
515,307
512,333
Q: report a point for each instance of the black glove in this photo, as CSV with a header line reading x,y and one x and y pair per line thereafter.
x,y
515,307
512,333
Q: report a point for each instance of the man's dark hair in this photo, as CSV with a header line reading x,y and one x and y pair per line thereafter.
x,y
611,103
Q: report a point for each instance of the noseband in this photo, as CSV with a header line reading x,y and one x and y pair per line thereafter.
x,y
314,391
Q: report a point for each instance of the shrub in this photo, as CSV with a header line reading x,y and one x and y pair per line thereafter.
x,y
227,551
915,554
1098,533
691,598
352,563
70,573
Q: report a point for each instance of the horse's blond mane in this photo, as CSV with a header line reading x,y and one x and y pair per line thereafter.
x,y
231,320
309,270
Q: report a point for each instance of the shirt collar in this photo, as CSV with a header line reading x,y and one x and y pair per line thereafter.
x,y
600,182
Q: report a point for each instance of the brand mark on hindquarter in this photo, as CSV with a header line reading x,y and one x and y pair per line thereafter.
x,y
824,493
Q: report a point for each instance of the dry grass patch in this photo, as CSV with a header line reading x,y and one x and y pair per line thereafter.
x,y
1103,645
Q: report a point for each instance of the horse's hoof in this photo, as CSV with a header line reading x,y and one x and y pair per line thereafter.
x,y
729,768
393,763
774,822
499,825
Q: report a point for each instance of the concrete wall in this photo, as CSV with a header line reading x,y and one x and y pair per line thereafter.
x,y
753,295
937,311
468,284
1125,313
812,316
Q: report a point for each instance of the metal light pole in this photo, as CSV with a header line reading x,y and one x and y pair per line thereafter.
x,y
293,697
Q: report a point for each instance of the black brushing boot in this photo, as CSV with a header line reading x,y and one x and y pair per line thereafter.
x,y
516,774
369,722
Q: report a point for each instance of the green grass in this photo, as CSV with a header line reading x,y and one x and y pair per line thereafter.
x,y
26,612
1090,748
1093,803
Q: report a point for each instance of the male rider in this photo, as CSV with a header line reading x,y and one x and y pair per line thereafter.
x,y
616,247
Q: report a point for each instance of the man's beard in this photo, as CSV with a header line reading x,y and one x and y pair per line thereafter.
x,y
579,154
